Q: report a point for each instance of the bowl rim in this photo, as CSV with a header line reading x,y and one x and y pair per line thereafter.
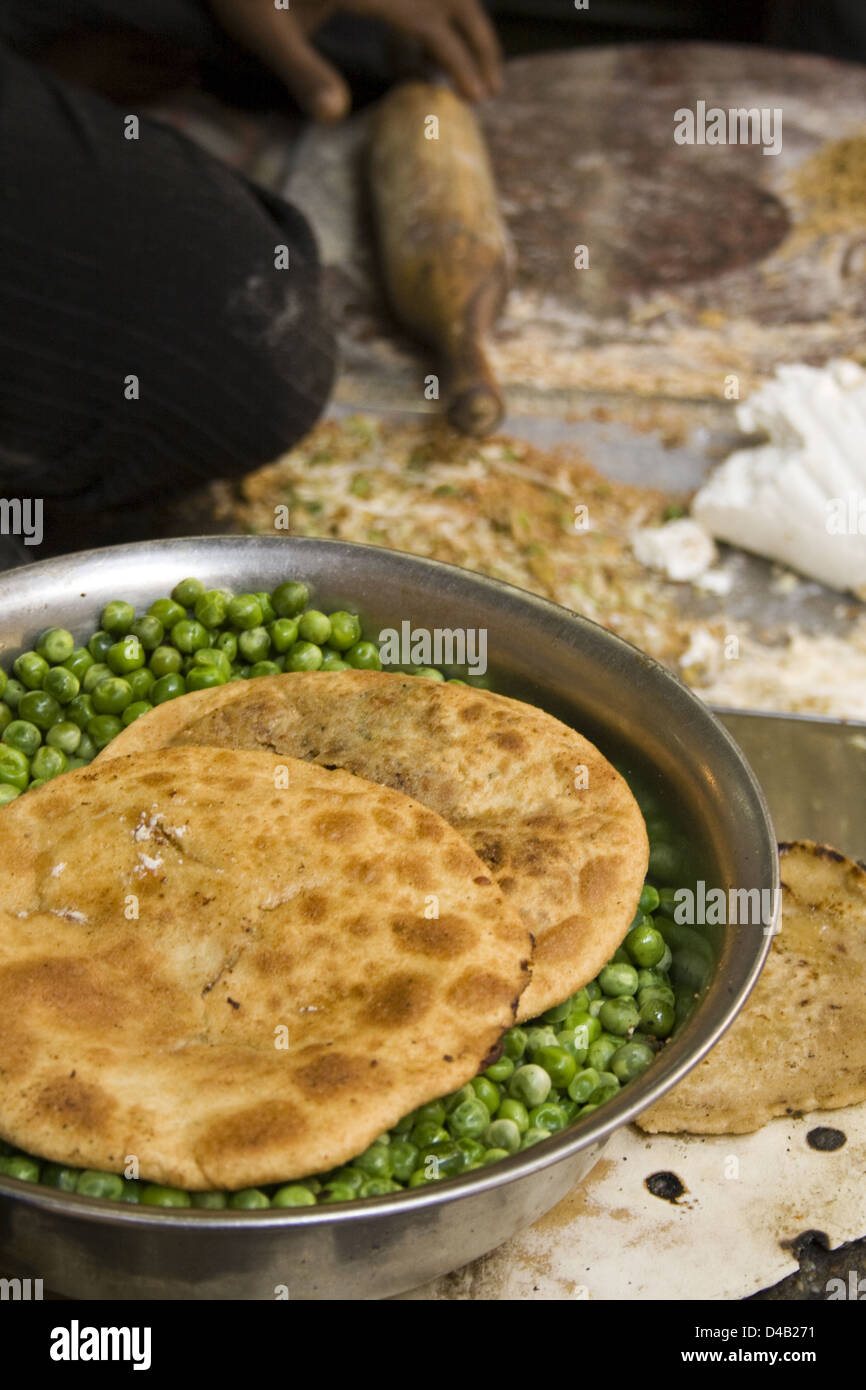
x,y
569,1141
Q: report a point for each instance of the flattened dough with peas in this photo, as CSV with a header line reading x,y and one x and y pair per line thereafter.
x,y
554,822
221,963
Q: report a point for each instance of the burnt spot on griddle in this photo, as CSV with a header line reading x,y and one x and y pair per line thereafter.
x,y
825,1139
665,1185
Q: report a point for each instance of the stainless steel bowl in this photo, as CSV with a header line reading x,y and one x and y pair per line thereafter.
x,y
632,707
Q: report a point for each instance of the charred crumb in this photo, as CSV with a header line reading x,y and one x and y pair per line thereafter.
x,y
233,1002
825,1139
665,1185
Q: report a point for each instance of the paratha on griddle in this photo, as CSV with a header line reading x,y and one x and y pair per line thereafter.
x,y
799,1043
552,819
229,965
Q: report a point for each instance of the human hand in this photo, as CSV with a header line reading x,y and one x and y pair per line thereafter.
x,y
457,34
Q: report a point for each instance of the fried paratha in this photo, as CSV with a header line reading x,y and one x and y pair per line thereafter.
x,y
238,968
799,1043
552,819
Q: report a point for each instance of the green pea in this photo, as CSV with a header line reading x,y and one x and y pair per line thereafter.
x,y
35,783
645,945
487,1093
13,693
338,1192
665,863
214,1200
254,644
135,711
156,1196
585,1023
14,767
167,612
657,1017
283,633
112,695
494,1155
87,749
90,1183
631,1060
61,684
469,1119
473,1152
651,979
149,631
3,679
141,682
331,662
204,678
449,1160
189,636
118,617
575,1043
227,643
549,1116
404,1158
80,711
165,661
167,688
94,674
211,608
421,1177
56,645
429,673
534,1136
126,655
538,1037
132,1191
264,668
600,1053
57,1176
304,656
500,1071
6,716
267,607
102,728
376,1161
66,736
345,630
47,763
187,591
100,645
530,1084
378,1187
364,656
22,735
21,1167
619,1015
558,1014
593,990
514,1110
8,793
31,669
558,1064
249,1199
649,898
245,611
503,1134
608,1086
290,599
653,993
514,1044
667,901
618,980
40,709
79,662
582,1086
426,1134
293,1196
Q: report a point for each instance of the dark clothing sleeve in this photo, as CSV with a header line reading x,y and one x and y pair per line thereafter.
x,y
148,340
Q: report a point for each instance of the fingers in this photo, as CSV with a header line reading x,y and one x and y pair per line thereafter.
x,y
471,19
451,52
280,41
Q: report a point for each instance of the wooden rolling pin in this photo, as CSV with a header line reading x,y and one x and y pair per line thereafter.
x,y
443,246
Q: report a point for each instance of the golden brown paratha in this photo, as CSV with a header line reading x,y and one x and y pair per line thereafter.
x,y
554,822
799,1043
222,964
